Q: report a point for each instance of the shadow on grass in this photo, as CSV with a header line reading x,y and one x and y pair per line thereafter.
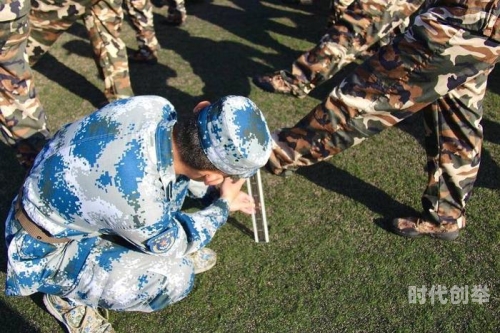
x,y
337,180
491,131
70,79
11,178
145,79
225,66
240,226
300,22
12,321
209,60
489,171
385,224
493,82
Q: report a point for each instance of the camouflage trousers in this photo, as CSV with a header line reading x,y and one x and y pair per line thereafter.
x,y
141,15
103,19
353,28
439,65
176,6
21,114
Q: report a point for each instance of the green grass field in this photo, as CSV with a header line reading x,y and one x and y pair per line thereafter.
x,y
329,267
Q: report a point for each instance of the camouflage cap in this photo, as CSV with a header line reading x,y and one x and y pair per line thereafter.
x,y
235,136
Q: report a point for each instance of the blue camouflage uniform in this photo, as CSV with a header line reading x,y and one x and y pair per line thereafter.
x,y
111,174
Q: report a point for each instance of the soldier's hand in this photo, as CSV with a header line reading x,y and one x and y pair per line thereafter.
x,y
230,190
243,203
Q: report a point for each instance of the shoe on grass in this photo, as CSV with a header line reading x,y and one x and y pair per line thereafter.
x,y
79,318
281,82
27,149
413,227
144,55
272,168
203,260
175,18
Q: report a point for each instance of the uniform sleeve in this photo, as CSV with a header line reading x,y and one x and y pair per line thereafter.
x,y
201,226
179,232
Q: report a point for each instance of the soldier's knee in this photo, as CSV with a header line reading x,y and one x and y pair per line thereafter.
x,y
173,291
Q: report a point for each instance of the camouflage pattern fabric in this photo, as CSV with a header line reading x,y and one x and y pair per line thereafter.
x,y
21,114
103,18
234,136
48,21
111,173
176,7
353,28
439,65
104,21
13,9
141,15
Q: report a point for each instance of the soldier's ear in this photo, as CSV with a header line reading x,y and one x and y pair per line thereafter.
x,y
200,106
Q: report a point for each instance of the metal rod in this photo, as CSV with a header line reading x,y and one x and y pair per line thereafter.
x,y
259,219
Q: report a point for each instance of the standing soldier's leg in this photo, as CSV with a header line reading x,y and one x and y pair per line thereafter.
x,y
337,8
48,21
453,141
353,30
177,13
431,60
413,71
141,15
22,118
103,21
453,144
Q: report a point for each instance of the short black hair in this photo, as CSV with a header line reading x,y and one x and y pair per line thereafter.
x,y
188,143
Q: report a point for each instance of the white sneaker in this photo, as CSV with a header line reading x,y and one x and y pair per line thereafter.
x,y
203,260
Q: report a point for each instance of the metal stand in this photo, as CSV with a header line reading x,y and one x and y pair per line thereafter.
x,y
259,219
